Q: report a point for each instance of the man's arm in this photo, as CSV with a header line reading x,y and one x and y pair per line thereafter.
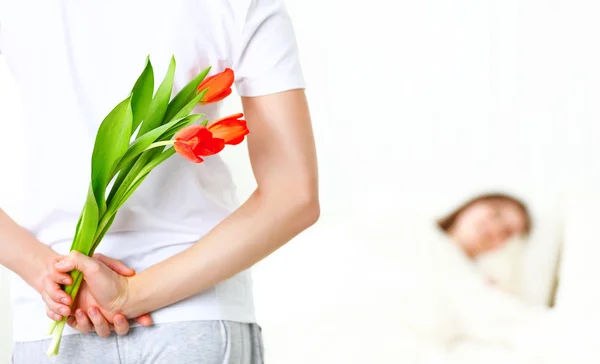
x,y
283,157
34,262
23,254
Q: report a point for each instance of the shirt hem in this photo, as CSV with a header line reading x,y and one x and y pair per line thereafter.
x,y
271,86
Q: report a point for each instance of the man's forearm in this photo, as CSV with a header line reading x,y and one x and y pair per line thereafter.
x,y
21,252
255,230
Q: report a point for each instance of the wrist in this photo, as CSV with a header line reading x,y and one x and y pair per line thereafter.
x,y
31,263
22,253
133,300
33,268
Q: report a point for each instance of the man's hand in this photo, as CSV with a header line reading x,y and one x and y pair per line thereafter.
x,y
101,295
48,284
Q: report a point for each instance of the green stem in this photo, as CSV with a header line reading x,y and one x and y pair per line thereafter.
x,y
55,344
103,226
100,234
57,327
73,289
124,179
160,144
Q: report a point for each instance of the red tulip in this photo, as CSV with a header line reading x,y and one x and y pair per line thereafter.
x,y
231,129
219,86
195,142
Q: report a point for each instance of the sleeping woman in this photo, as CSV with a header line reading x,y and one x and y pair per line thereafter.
x,y
449,305
489,229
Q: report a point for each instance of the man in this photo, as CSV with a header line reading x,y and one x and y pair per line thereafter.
x,y
181,230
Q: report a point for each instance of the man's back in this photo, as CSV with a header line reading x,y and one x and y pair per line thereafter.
x,y
74,72
74,61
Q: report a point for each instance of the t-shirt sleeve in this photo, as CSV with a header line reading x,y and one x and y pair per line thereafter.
x,y
267,58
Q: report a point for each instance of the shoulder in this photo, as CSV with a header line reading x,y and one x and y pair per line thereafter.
x,y
265,56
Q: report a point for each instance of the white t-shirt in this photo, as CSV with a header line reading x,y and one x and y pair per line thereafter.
x,y
73,62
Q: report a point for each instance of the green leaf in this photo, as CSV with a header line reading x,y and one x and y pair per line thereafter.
x,y
153,118
143,142
74,242
168,135
137,156
123,172
141,95
158,159
174,107
190,105
112,140
100,234
180,125
147,162
87,226
160,102
185,95
125,179
130,191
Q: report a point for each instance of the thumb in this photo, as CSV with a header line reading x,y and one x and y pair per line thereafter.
x,y
77,261
116,265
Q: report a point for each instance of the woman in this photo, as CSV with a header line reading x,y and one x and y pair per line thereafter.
x,y
486,223
453,307
483,228
182,230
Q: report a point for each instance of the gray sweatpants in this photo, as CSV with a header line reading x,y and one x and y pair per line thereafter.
x,y
198,342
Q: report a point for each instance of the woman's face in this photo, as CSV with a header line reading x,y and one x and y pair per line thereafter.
x,y
486,225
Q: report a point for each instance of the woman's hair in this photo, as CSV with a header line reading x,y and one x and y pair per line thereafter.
x,y
447,222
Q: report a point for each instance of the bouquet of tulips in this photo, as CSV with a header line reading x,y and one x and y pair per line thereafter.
x,y
141,132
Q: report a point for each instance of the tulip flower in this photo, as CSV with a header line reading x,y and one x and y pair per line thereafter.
x,y
219,86
197,141
231,129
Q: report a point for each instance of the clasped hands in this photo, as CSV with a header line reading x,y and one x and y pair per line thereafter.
x,y
101,304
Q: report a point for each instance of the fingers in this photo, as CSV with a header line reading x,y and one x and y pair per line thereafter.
x,y
55,293
83,323
101,326
52,315
57,301
72,321
56,308
121,325
61,265
78,261
116,265
59,276
98,323
144,320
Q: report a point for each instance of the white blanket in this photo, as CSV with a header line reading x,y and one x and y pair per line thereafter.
x,y
407,298
448,303
426,303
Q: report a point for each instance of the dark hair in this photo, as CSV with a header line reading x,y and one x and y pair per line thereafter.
x,y
447,222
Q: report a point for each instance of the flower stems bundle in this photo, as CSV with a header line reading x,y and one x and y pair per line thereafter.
x,y
134,138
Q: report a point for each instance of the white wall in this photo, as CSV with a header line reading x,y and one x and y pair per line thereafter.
x,y
9,189
416,104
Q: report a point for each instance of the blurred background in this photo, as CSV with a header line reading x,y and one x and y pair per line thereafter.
x,y
418,107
